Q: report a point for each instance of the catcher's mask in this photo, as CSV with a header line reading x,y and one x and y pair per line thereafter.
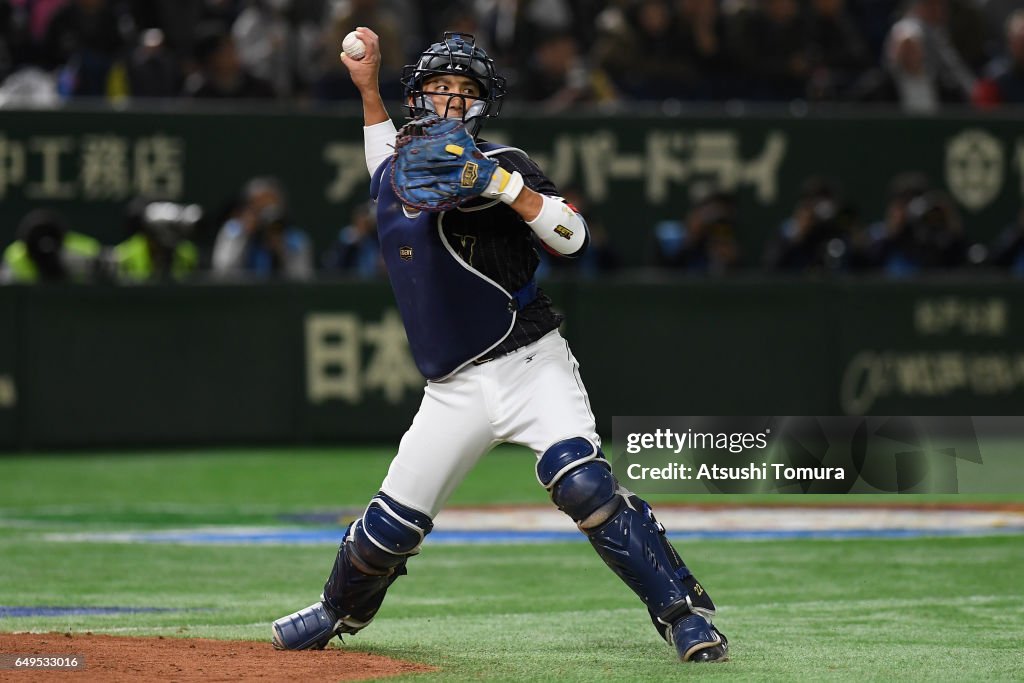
x,y
456,54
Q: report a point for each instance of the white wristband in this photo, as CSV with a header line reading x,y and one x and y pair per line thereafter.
x,y
504,186
559,227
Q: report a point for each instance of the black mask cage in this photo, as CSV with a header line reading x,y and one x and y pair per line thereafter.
x,y
458,55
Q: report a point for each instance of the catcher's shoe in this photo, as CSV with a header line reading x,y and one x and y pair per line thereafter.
x,y
696,640
311,628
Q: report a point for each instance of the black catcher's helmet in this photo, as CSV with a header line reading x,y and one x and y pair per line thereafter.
x,y
456,54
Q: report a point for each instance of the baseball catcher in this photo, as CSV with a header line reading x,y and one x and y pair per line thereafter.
x,y
459,220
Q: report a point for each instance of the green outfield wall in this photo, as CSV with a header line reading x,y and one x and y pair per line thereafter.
x,y
634,170
204,364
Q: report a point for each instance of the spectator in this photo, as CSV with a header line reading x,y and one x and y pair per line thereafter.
x,y
152,69
83,39
307,18
267,44
559,78
995,14
838,53
333,82
513,28
907,78
30,86
37,15
816,236
223,12
769,45
158,247
700,30
179,19
48,251
356,251
968,33
930,18
11,37
705,242
643,55
874,19
1004,81
260,240
221,74
438,16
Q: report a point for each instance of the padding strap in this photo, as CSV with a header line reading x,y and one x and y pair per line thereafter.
x,y
523,297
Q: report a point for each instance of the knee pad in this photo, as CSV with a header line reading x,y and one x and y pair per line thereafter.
x,y
580,481
387,534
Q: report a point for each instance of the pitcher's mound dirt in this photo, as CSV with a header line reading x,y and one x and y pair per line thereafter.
x,y
112,658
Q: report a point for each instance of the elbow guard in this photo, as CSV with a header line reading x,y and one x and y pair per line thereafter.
x,y
561,229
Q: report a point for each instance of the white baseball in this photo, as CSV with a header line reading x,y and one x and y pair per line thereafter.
x,y
354,46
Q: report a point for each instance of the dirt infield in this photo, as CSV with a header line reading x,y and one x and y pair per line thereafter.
x,y
112,658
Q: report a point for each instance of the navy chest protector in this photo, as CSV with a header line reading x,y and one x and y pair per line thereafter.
x,y
452,312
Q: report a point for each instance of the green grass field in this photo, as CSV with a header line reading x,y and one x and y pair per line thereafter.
x,y
918,609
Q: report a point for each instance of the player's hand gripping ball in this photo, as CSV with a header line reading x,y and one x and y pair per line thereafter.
x,y
437,165
353,46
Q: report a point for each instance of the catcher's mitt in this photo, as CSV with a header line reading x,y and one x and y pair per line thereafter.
x,y
437,165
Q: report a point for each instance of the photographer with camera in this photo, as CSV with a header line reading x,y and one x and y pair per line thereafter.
x,y
259,241
817,235
47,250
922,230
705,242
158,247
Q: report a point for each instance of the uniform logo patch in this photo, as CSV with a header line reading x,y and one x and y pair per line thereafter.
x,y
563,231
470,173
405,253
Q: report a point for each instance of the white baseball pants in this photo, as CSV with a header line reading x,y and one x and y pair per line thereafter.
x,y
533,397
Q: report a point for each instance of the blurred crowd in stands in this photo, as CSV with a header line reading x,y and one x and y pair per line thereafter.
x,y
253,239
918,54
559,55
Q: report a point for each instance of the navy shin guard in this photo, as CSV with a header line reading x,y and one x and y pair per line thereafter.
x,y
354,594
633,545
372,556
623,530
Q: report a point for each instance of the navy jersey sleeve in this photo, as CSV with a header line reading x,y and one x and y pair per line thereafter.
x,y
533,177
